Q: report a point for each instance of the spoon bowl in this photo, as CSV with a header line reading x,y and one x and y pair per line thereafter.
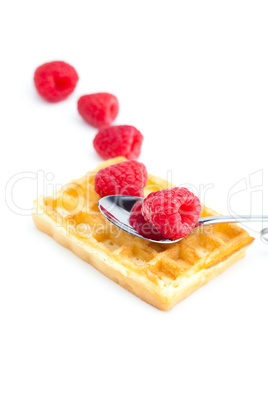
x,y
117,208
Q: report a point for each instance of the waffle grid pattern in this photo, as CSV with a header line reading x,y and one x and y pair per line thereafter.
x,y
75,209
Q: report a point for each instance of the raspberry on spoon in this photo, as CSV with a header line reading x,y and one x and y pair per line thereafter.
x,y
174,212
145,229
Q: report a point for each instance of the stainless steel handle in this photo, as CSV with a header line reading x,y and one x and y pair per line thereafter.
x,y
213,220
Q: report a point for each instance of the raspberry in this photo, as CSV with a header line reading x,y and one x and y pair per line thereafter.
x,y
126,178
118,141
55,81
99,110
173,212
137,221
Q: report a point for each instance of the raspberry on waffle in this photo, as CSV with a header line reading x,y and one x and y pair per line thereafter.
x,y
126,178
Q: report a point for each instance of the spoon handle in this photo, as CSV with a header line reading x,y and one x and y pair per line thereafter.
x,y
213,220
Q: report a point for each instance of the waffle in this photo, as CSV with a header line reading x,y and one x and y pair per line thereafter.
x,y
160,274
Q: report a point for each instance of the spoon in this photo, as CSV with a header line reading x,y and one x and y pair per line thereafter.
x,y
116,208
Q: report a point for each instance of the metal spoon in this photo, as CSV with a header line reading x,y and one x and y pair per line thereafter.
x,y
116,208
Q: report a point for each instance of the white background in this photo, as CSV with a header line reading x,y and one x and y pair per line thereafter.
x,y
193,77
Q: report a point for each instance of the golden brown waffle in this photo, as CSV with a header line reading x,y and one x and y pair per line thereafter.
x,y
159,274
